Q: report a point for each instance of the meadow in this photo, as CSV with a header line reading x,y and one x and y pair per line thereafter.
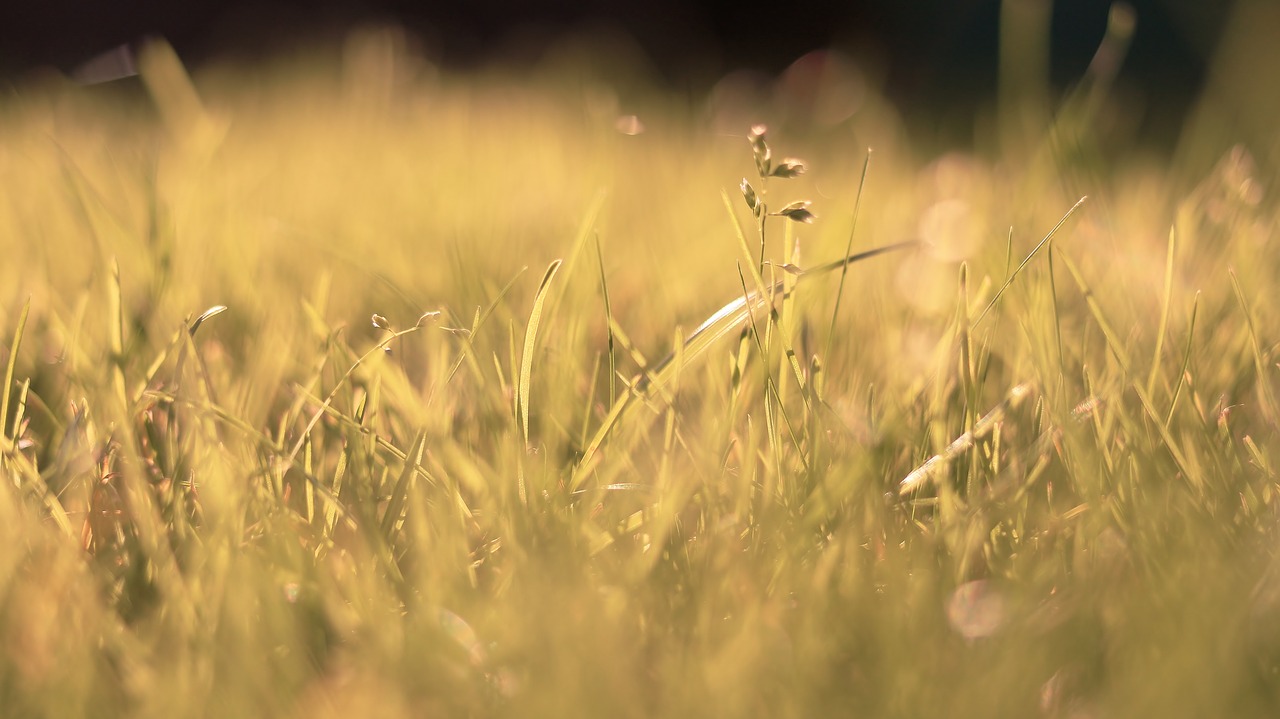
x,y
349,386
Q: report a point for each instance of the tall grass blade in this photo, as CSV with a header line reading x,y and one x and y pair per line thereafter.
x,y
477,322
928,472
1186,361
608,317
1117,349
774,409
729,318
786,322
585,231
848,250
530,339
1164,315
115,333
10,367
1057,312
734,315
400,492
291,459
1027,260
524,386
1266,395
741,234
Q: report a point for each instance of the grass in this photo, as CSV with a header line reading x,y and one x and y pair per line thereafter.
x,y
946,480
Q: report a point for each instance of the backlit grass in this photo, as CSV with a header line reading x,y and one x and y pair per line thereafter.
x,y
352,388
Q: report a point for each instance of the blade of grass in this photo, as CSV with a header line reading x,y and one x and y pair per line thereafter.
x,y
1027,260
1117,349
9,369
669,430
771,390
1268,398
526,364
927,471
478,321
848,250
1186,362
400,493
20,410
115,331
382,344
741,234
786,324
1163,327
770,399
1100,433
731,317
1057,313
585,231
608,317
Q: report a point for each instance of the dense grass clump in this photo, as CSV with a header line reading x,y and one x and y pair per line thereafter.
x,y
367,390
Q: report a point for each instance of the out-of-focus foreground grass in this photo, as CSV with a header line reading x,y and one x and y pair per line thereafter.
x,y
286,509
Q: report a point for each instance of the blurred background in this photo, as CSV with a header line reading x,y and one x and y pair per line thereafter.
x,y
936,60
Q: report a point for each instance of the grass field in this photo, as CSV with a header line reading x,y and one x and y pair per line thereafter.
x,y
353,388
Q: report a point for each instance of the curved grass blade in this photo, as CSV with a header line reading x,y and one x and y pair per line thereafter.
x,y
733,315
530,337
727,319
211,312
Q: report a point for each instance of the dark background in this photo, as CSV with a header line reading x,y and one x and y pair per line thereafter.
x,y
936,56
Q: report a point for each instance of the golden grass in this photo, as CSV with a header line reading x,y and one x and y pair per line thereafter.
x,y
227,491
